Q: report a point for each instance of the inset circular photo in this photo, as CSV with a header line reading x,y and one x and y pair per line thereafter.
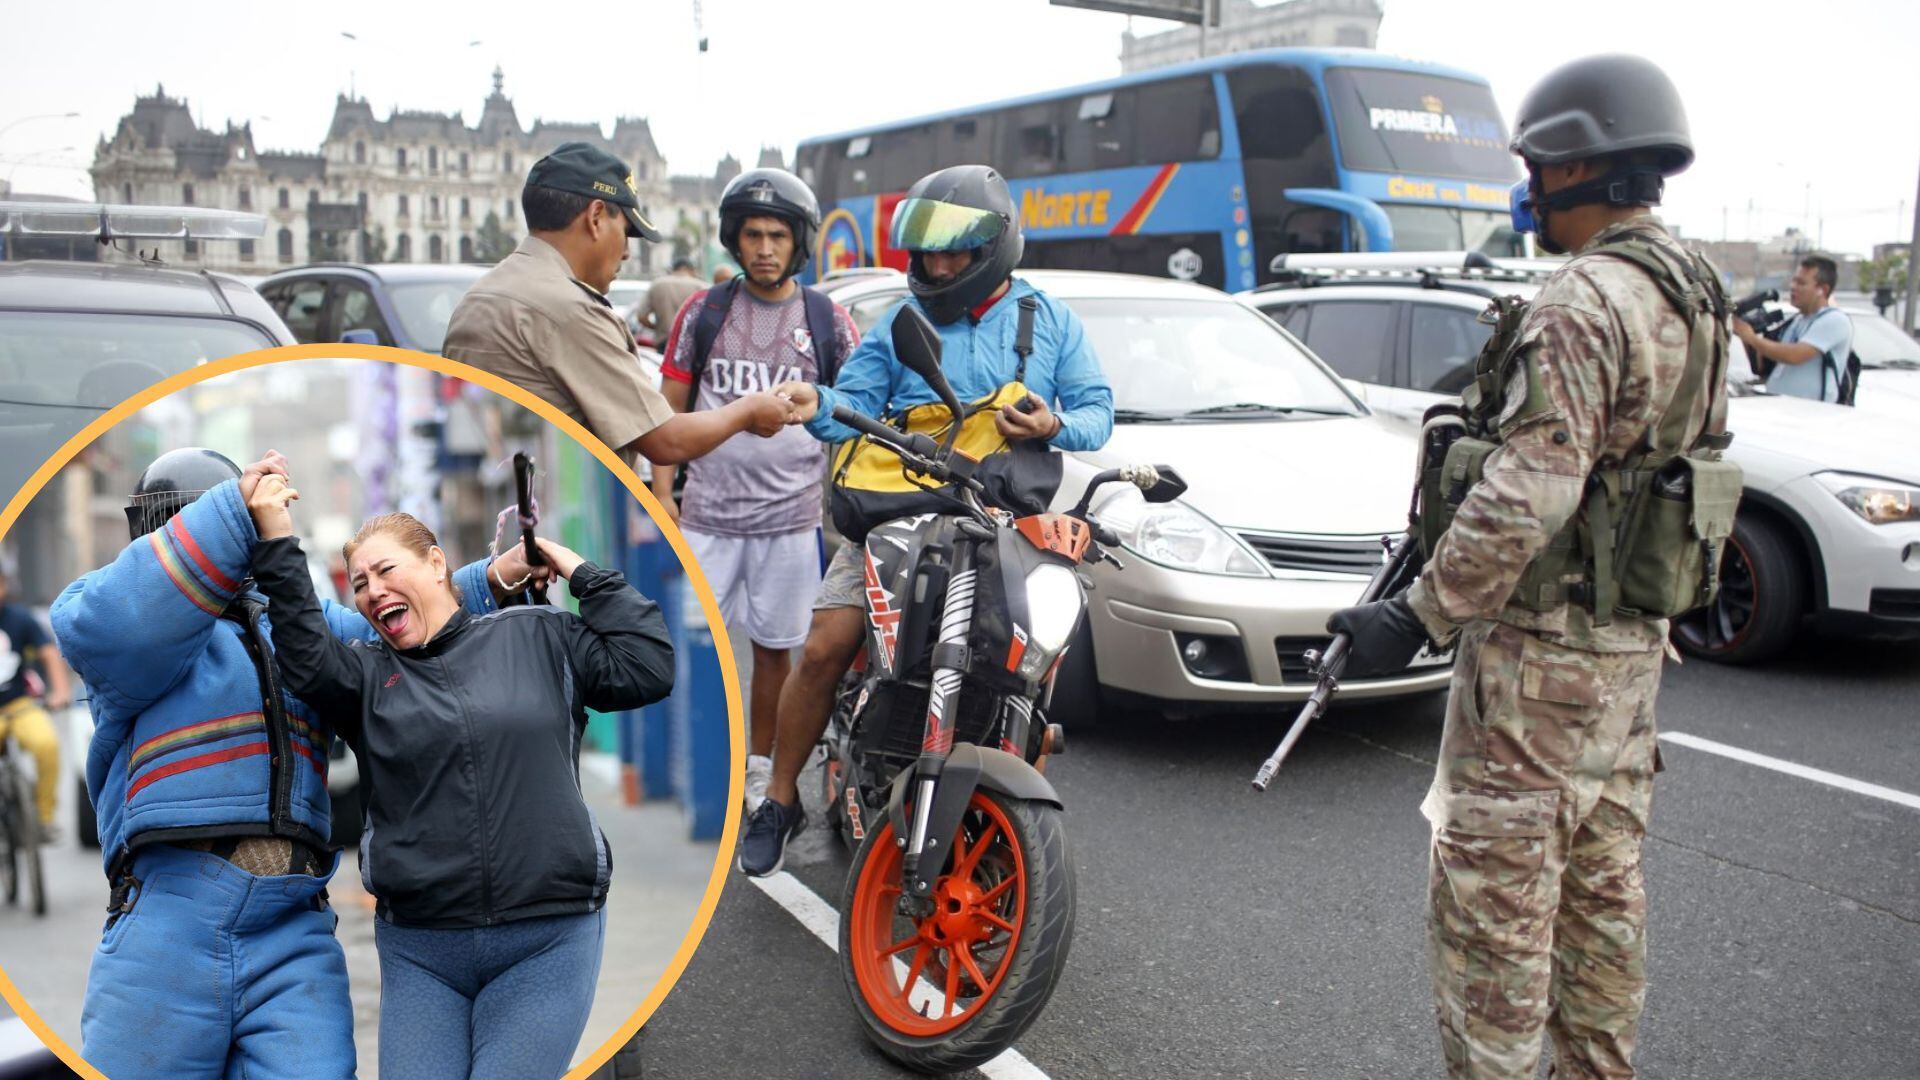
x,y
363,719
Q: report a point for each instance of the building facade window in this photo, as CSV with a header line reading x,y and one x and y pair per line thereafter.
x,y
246,198
246,251
313,196
403,249
286,244
433,159
433,206
403,206
400,158
186,194
126,193
284,197
466,207
466,249
506,162
359,153
510,209
463,161
436,249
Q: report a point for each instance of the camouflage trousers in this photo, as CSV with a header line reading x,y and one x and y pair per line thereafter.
x,y
1539,807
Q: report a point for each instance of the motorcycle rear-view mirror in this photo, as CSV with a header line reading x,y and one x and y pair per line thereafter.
x,y
1166,489
917,344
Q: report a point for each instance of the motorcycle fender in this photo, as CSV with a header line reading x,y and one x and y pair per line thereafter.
x,y
969,767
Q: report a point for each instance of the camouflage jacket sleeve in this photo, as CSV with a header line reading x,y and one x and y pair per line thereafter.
x,y
1553,424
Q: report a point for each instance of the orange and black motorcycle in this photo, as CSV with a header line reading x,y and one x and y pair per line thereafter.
x,y
959,905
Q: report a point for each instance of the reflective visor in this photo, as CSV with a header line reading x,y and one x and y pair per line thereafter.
x,y
932,225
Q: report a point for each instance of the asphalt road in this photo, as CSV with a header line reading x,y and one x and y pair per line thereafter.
x,y
1225,934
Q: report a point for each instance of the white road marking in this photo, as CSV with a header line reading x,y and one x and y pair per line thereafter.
x,y
1805,772
823,921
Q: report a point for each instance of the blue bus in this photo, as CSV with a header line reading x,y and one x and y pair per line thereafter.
x,y
1204,171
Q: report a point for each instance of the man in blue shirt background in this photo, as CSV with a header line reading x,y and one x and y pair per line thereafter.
x,y
963,235
1812,351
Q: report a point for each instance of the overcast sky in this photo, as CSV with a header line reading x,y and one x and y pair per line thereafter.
x,y
1807,112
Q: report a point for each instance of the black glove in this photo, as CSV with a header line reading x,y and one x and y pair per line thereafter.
x,y
1385,636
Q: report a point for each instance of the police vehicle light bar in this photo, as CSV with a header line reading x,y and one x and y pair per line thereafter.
x,y
1408,261
107,221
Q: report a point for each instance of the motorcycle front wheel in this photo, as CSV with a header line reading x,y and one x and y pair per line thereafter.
x,y
950,991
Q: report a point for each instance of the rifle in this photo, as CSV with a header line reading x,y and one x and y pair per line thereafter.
x,y
523,492
1395,576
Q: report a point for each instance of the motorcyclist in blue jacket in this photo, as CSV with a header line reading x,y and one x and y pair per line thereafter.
x,y
962,232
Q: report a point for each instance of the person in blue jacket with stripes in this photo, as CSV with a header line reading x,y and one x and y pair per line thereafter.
x,y
208,779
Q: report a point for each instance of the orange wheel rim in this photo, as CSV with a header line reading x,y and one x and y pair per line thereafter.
x,y
928,977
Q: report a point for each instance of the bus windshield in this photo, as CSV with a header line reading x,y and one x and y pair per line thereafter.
x,y
1400,121
1442,228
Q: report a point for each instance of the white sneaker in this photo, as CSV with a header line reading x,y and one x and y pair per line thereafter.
x,y
759,773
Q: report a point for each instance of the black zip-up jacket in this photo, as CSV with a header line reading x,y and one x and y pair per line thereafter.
x,y
469,745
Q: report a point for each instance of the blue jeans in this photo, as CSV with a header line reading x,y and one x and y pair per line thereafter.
x,y
504,1002
218,973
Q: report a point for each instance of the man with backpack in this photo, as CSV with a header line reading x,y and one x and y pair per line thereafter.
x,y
1814,356
751,512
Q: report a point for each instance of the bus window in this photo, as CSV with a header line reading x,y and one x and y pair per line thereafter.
x,y
902,157
1101,134
1176,120
963,142
1283,140
1030,140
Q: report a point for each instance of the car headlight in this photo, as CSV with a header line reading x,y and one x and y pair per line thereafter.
x,y
1877,501
1176,535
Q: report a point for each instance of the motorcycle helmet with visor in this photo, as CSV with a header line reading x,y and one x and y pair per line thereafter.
x,y
1616,106
175,479
962,208
774,193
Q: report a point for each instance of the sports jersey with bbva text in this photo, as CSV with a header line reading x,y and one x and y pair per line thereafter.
x,y
752,486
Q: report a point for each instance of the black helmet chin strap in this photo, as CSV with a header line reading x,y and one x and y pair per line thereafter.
x,y
1635,185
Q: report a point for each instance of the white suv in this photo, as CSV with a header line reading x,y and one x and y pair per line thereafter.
x,y
1829,529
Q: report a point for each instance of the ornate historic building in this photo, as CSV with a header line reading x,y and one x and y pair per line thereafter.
x,y
1245,25
413,187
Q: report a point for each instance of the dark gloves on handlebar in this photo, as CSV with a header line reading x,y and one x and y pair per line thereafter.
x,y
1385,636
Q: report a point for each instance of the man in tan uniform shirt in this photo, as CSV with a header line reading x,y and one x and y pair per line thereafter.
x,y
541,319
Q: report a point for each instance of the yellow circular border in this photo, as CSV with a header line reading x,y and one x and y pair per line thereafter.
x,y
552,415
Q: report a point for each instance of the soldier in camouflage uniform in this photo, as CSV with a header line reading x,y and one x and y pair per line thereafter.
x,y
1540,801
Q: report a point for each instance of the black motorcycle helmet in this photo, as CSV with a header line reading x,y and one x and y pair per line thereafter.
x,y
770,193
175,479
1618,106
962,208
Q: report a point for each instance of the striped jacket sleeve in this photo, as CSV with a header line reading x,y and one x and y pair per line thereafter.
x,y
133,627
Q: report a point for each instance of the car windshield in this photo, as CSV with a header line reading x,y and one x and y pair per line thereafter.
x,y
1881,343
1177,358
425,308
60,370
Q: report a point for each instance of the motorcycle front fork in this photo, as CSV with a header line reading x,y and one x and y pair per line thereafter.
x,y
956,621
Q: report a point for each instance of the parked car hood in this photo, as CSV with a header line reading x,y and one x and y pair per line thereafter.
x,y
1889,392
1778,438
1330,475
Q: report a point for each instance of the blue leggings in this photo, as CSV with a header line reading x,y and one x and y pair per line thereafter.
x,y
504,1002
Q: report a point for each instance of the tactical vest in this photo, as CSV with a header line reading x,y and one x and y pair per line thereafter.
x,y
1647,538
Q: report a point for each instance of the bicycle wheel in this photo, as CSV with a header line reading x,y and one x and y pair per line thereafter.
x,y
27,816
10,823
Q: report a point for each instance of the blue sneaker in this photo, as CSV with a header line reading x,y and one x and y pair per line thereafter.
x,y
768,830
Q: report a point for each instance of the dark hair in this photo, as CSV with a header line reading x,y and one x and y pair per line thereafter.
x,y
1825,271
682,264
550,209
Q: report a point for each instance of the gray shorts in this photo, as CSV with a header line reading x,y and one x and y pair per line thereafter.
x,y
845,583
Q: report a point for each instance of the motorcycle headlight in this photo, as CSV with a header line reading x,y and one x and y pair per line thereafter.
x,y
1053,604
1176,535
1877,501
